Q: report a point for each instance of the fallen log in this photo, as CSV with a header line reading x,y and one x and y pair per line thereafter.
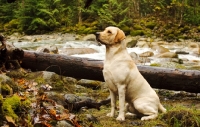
x,y
85,68
10,56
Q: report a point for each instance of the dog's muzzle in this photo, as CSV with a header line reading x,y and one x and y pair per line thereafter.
x,y
97,34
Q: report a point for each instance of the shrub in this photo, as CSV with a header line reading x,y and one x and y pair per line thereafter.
x,y
136,32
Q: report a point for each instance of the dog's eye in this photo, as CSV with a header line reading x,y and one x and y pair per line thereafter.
x,y
109,31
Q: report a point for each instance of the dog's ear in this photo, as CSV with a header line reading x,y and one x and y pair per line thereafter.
x,y
120,36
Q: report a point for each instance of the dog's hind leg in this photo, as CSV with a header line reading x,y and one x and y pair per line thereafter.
x,y
148,109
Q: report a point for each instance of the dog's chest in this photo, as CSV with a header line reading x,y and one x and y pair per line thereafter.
x,y
110,81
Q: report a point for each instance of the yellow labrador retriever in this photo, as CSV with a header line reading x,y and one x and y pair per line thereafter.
x,y
123,79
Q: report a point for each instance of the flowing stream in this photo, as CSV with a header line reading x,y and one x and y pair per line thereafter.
x,y
100,55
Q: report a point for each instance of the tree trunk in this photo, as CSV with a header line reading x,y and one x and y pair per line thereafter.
x,y
84,68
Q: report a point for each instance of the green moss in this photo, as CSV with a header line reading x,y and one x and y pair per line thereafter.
x,y
136,32
169,31
150,25
137,27
40,80
1,99
88,30
10,106
182,117
25,104
126,29
16,74
148,32
171,36
6,89
11,83
57,83
155,64
169,65
13,24
198,28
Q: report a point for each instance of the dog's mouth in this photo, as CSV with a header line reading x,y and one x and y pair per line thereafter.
x,y
97,38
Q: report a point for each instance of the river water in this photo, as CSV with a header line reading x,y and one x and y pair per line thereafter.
x,y
62,45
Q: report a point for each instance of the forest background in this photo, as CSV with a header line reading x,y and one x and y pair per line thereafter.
x,y
169,19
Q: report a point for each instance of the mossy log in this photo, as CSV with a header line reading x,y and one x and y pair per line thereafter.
x,y
85,68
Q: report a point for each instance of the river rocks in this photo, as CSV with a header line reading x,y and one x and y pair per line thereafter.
x,y
167,55
89,37
131,41
142,44
146,54
74,51
194,47
90,83
48,49
160,49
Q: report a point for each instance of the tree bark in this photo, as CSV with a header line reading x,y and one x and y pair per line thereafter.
x,y
84,68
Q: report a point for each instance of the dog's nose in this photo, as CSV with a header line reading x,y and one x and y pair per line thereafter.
x,y
97,34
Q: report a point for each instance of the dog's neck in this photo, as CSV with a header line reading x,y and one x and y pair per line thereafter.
x,y
113,51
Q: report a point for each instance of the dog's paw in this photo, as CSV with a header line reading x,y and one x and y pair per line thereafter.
x,y
110,115
120,118
149,117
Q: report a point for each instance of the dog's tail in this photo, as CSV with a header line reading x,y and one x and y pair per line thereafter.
x,y
161,108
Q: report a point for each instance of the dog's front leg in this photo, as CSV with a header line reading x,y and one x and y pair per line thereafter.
x,y
121,92
113,104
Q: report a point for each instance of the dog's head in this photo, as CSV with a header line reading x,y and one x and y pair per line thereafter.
x,y
110,36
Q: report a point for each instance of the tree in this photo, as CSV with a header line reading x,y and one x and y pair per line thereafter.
x,y
113,13
36,16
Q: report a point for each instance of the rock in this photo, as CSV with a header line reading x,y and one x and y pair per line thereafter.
x,y
26,38
142,39
167,55
8,85
194,67
47,75
195,51
71,98
181,52
70,80
130,41
48,49
142,44
91,118
89,37
146,54
193,45
59,39
75,51
160,49
89,83
58,97
63,123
